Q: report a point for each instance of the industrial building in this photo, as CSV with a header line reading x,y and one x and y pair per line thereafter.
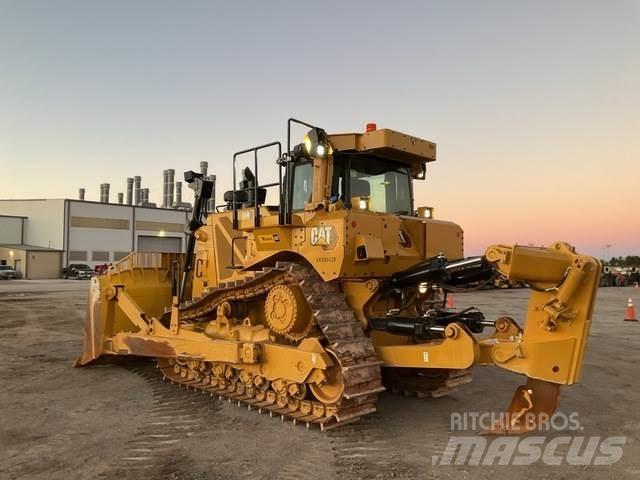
x,y
39,237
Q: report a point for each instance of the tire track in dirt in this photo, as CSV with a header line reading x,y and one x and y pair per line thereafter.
x,y
174,416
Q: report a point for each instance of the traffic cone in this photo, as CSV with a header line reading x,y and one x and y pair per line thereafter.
x,y
450,303
631,312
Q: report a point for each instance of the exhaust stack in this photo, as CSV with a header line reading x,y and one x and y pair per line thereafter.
x,y
129,191
137,190
81,194
165,174
104,192
120,198
179,204
178,192
171,173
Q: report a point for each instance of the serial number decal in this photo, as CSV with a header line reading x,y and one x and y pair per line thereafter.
x,y
326,259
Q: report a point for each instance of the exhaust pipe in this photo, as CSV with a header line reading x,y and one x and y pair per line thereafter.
x,y
171,173
137,180
129,191
163,204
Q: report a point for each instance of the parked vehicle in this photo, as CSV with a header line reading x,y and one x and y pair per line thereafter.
x,y
78,271
7,272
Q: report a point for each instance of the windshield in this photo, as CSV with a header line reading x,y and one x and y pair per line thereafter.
x,y
386,183
5,267
81,267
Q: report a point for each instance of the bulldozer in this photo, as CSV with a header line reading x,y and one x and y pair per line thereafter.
x,y
308,308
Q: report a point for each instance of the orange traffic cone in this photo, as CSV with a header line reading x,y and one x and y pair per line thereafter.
x,y
450,303
631,312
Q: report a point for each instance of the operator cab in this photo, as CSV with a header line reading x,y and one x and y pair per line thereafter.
x,y
386,185
371,171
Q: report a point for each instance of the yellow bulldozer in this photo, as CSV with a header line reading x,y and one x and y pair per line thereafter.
x,y
309,308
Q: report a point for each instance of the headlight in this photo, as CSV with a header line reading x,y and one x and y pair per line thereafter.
x,y
307,143
425,212
316,142
361,203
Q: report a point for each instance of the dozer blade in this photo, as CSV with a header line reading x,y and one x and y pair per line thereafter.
x,y
531,407
132,291
94,329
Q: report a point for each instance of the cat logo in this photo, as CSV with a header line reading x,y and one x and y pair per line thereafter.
x,y
322,236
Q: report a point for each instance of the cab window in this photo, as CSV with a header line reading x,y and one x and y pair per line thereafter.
x,y
386,183
302,185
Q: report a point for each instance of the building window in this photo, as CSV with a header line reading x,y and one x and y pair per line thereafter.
x,y
95,222
99,256
119,255
77,256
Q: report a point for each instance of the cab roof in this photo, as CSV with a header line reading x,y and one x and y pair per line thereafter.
x,y
387,143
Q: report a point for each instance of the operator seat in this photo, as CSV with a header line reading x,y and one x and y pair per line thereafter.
x,y
360,188
245,198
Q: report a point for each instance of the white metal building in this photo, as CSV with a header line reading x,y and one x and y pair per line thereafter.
x,y
91,232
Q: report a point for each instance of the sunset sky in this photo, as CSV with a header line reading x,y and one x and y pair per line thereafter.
x,y
535,107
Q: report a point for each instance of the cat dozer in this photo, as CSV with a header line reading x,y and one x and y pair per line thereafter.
x,y
311,304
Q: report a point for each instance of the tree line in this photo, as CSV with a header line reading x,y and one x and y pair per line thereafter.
x,y
628,261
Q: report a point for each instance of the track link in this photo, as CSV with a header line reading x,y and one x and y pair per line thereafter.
x,y
359,364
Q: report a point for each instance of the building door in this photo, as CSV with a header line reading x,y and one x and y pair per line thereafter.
x,y
159,244
17,265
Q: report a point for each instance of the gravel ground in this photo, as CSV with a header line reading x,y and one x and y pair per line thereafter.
x,y
122,421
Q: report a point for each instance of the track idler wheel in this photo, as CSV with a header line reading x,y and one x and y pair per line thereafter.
x,y
331,390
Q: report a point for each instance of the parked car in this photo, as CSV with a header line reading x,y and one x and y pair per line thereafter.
x,y
78,271
7,272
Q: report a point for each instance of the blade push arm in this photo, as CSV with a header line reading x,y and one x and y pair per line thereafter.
x,y
558,319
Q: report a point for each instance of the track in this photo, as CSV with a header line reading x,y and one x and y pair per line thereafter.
x,y
178,417
352,349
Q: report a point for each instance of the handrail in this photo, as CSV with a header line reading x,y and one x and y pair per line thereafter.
x,y
256,186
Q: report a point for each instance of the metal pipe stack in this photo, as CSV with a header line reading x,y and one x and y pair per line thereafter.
x,y
120,198
137,189
204,166
129,191
164,189
178,193
81,194
104,192
171,173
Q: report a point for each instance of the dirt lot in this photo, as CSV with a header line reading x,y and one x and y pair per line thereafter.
x,y
122,421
